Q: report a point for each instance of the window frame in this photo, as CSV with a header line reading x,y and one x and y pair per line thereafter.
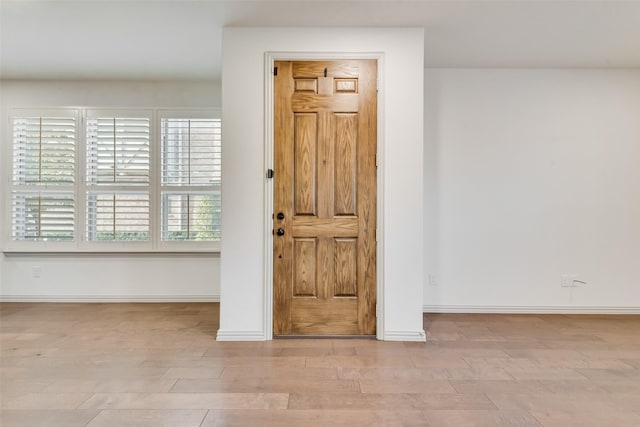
x,y
179,114
80,244
86,187
10,186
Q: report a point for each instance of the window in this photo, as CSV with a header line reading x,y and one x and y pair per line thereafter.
x,y
118,176
43,181
190,179
115,180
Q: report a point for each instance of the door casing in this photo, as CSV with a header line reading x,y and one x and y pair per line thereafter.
x,y
270,58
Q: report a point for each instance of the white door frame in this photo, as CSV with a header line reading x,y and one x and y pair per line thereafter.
x,y
270,58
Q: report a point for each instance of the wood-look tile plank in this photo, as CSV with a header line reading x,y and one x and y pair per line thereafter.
x,y
280,373
23,385
315,418
199,372
264,385
545,374
405,401
148,418
44,401
261,351
385,373
618,386
586,418
438,362
248,361
181,362
435,351
46,418
187,401
393,374
574,402
318,351
498,386
530,344
113,385
361,361
545,354
410,386
480,418
561,386
610,374
18,350
105,373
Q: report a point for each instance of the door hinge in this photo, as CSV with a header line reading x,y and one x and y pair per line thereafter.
x,y
269,173
275,71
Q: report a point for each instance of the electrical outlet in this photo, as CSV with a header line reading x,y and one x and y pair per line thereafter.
x,y
36,272
433,280
566,280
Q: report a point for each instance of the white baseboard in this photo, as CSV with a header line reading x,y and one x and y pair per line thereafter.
x,y
415,336
240,336
109,298
505,309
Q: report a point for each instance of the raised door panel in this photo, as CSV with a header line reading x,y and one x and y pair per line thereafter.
x,y
304,163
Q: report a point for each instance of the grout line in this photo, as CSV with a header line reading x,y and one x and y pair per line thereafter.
x,y
534,417
464,359
94,417
84,401
204,417
484,393
453,386
174,384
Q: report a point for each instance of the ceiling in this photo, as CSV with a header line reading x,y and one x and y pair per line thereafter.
x,y
181,39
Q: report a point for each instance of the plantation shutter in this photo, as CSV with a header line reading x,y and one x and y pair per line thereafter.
x,y
190,179
43,158
120,216
118,150
44,150
118,179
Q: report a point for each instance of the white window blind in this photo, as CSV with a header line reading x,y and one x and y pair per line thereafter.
x,y
117,216
190,179
191,151
43,158
43,216
118,180
43,150
191,216
118,150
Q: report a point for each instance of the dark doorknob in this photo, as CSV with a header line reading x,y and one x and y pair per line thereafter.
x,y
280,216
280,232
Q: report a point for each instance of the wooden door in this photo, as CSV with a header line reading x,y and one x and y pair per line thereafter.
x,y
325,197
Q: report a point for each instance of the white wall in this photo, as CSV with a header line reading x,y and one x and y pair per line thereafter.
x,y
531,174
245,235
135,277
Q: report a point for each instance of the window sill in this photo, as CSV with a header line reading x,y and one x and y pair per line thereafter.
x,y
43,250
198,253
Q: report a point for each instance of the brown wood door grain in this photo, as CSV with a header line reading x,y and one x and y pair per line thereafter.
x,y
325,186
